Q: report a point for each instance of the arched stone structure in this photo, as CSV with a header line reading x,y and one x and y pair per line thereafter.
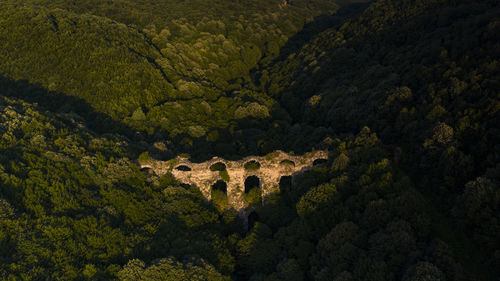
x,y
270,170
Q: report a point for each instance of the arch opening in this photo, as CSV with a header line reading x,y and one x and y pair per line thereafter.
x,y
219,166
219,195
251,182
252,165
285,183
319,161
220,185
183,168
287,162
147,170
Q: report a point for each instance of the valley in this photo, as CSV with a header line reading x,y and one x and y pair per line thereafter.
x,y
249,140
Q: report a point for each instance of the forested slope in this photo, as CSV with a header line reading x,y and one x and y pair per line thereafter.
x,y
149,63
74,205
424,75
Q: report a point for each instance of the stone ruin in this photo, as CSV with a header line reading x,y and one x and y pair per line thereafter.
x,y
232,175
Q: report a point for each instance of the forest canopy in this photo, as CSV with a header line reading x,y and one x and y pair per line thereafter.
x,y
404,95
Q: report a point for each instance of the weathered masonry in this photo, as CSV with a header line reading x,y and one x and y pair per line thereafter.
x,y
230,176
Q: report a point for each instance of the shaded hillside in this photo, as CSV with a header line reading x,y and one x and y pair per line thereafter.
x,y
424,76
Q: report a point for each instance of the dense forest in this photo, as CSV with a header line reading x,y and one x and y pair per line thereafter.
x,y
403,94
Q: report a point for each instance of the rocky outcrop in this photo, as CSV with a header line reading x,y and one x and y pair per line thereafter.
x,y
268,169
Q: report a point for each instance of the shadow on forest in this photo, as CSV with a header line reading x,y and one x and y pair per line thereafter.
x,y
318,25
243,138
274,217
241,142
60,103
258,137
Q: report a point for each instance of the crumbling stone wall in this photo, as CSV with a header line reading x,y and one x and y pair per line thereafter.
x,y
269,169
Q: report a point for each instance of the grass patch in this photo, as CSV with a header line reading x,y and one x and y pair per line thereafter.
x,y
220,200
224,176
252,165
254,196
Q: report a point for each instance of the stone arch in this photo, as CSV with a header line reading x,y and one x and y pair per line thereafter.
x,y
252,182
252,165
220,185
268,171
183,168
287,162
319,161
147,170
218,166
